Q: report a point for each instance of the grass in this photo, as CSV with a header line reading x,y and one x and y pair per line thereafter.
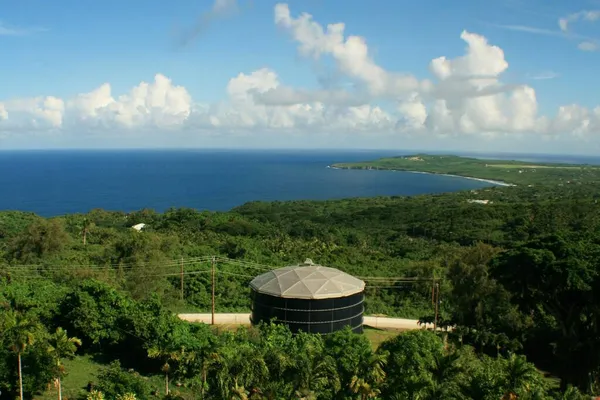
x,y
513,172
81,370
377,336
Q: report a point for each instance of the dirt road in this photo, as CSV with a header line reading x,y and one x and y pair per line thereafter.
x,y
244,319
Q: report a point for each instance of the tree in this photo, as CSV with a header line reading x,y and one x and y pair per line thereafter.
x,y
359,369
237,368
555,280
114,381
413,357
521,377
314,370
19,333
169,356
62,346
446,374
86,226
42,238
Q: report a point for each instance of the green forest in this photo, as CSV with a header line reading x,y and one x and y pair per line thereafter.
x,y
518,281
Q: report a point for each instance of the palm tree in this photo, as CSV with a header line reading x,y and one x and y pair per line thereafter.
x,y
238,369
363,388
168,356
377,363
520,375
313,370
445,377
20,333
61,346
374,375
86,226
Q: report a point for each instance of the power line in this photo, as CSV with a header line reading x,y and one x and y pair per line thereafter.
x,y
119,265
140,276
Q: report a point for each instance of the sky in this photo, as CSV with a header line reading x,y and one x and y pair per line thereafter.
x,y
508,75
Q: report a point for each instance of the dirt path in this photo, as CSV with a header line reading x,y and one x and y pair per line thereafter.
x,y
244,319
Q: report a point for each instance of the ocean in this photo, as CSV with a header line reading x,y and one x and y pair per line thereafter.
x,y
52,183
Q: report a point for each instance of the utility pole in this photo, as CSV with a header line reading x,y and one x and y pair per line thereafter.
x,y
213,289
181,275
437,302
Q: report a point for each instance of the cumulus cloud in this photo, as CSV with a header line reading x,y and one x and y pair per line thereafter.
x,y
465,95
351,53
243,110
469,97
159,104
286,96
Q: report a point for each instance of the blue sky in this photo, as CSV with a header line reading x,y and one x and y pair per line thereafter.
x,y
65,48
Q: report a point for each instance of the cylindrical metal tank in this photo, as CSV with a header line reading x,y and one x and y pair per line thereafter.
x,y
309,298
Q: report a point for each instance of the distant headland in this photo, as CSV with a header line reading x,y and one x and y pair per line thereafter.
x,y
499,172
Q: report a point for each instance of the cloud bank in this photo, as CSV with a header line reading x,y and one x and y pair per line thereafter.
x,y
463,96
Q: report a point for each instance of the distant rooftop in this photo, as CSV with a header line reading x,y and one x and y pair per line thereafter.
x,y
307,281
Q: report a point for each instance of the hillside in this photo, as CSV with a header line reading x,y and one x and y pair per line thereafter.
x,y
513,273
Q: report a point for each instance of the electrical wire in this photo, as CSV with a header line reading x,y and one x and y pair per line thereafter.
x,y
24,270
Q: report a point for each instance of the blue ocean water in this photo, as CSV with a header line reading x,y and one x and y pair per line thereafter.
x,y
53,183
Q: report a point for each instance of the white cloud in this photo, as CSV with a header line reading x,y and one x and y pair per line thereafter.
x,y
531,29
3,112
469,97
158,104
351,53
243,111
287,96
587,46
577,120
12,31
465,96
545,75
587,43
585,15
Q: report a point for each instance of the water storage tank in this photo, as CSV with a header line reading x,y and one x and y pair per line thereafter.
x,y
309,298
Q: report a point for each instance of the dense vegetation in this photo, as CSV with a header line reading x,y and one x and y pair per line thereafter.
x,y
514,172
518,275
265,363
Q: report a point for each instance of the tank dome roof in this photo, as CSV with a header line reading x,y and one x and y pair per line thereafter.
x,y
307,281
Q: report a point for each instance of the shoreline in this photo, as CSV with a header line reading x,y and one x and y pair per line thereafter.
x,y
494,182
499,183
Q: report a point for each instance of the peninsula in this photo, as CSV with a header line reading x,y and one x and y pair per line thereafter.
x,y
507,172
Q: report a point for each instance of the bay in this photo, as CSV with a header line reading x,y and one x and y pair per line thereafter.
x,y
52,183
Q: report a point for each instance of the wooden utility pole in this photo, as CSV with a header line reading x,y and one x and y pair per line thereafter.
x,y
181,275
213,289
437,302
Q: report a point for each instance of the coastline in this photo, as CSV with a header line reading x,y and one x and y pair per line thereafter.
x,y
494,182
498,183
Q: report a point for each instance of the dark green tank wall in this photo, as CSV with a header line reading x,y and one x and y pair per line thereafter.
x,y
310,315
